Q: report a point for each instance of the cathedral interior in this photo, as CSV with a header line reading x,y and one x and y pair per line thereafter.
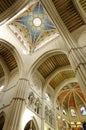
x,y
42,64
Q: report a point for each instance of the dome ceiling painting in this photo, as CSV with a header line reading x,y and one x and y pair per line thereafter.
x,y
33,26
71,96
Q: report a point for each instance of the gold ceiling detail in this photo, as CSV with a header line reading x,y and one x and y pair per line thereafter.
x,y
60,77
52,63
69,14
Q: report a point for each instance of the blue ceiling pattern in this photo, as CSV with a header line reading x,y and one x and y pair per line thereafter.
x,y
34,33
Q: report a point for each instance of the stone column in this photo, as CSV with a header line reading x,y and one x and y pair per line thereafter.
x,y
75,54
17,107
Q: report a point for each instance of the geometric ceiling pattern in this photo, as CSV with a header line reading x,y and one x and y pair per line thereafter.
x,y
52,63
33,26
69,13
71,96
8,58
83,4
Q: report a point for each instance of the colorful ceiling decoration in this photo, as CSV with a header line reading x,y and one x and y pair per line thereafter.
x,y
60,77
71,96
34,25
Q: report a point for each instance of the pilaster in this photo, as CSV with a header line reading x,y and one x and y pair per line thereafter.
x,y
43,114
75,55
17,107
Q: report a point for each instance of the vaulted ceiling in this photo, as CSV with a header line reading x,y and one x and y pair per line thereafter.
x,y
52,63
83,4
69,14
7,57
70,96
5,4
33,26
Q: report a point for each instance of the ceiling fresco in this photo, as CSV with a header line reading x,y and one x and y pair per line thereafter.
x,y
33,26
71,96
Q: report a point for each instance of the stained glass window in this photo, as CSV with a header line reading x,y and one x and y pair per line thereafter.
x,y
83,110
64,112
73,113
47,96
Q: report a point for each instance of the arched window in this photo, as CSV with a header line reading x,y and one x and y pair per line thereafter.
x,y
2,120
83,110
64,112
30,126
73,112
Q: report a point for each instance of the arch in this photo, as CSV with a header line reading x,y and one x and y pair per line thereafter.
x,y
64,83
2,120
15,54
42,58
32,124
58,70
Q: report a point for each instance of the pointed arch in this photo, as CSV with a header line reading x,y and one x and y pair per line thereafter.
x,y
32,124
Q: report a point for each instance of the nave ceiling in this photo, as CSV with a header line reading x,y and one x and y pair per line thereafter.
x,y
31,36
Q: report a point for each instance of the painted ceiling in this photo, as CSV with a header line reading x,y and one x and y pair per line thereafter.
x,y
71,96
61,77
52,63
33,26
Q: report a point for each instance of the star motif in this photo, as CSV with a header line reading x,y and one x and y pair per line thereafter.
x,y
37,13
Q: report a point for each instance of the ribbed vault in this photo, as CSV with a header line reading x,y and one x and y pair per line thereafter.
x,y
71,96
